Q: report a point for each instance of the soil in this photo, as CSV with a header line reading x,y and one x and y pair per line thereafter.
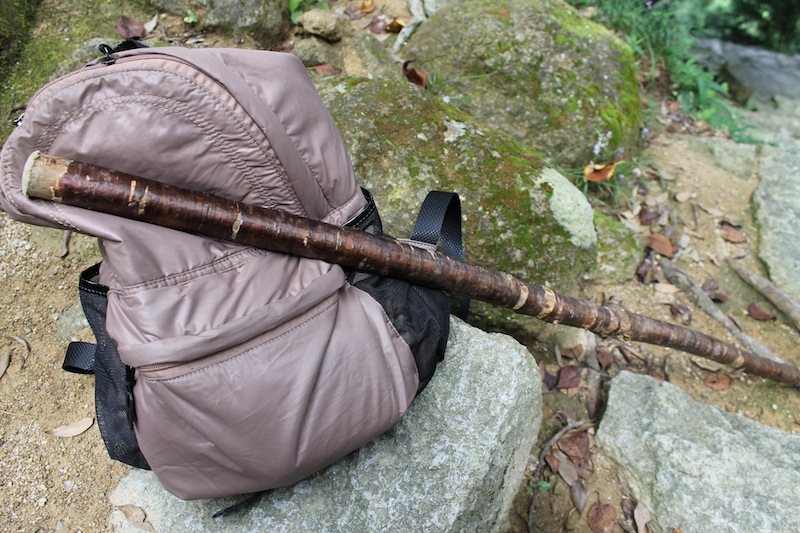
x,y
52,483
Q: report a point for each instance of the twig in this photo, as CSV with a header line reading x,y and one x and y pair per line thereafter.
x,y
781,300
682,279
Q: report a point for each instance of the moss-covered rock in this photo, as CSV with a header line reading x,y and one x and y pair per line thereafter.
x,y
519,215
16,19
536,69
619,251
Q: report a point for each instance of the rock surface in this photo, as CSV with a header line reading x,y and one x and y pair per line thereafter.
x,y
520,216
777,197
266,20
761,71
537,70
453,464
696,467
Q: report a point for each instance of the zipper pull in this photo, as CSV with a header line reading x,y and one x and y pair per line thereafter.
x,y
107,51
19,119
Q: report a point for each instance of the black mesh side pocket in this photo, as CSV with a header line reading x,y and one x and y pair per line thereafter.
x,y
421,315
112,378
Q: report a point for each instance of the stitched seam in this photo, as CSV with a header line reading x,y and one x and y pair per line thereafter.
x,y
234,260
247,352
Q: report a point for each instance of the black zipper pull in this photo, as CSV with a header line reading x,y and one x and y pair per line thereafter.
x,y
106,50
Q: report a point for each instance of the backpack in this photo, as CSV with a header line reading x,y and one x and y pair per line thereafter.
x,y
227,369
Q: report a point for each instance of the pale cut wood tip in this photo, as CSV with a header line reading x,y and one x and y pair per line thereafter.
x,y
41,176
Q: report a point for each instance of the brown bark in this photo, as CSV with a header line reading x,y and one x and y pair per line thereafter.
x,y
107,191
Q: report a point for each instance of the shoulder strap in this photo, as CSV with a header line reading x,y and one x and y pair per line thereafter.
x,y
439,219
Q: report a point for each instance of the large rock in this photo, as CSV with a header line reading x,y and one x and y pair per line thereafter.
x,y
520,216
761,71
696,467
266,20
453,464
537,70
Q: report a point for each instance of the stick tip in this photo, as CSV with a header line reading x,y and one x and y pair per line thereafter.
x,y
27,171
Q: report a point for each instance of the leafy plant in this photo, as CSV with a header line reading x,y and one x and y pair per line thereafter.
x,y
662,35
298,7
191,17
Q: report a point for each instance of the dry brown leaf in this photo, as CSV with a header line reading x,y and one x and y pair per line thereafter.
x,y
578,494
576,446
601,518
641,515
326,69
395,26
569,377
552,462
732,233
666,288
718,381
71,430
27,346
129,29
5,360
367,6
136,517
681,313
566,469
597,173
414,75
661,244
757,313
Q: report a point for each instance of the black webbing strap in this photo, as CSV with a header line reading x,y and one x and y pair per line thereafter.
x,y
439,219
80,357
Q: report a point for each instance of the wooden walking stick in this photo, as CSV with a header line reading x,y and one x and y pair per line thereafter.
x,y
81,185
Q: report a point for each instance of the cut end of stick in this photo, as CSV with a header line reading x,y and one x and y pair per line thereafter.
x,y
26,172
41,176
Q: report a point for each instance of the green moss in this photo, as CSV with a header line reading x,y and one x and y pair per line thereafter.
x,y
59,29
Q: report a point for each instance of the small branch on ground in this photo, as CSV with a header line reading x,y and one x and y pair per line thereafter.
x,y
785,303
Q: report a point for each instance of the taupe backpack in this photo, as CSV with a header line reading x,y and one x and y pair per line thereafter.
x,y
238,370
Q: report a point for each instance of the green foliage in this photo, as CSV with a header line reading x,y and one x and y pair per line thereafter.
x,y
191,17
298,7
662,35
773,24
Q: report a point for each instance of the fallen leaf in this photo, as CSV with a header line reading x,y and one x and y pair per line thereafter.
x,y
681,313
569,377
576,446
628,507
136,517
646,271
661,244
641,515
601,518
757,313
653,373
719,381
732,233
129,29
326,69
379,23
395,26
648,216
552,462
367,6
414,75
578,494
666,288
599,172
71,430
566,469
604,357
151,24
5,360
27,346
683,196
711,288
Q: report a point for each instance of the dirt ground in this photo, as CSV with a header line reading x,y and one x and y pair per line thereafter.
x,y
50,483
